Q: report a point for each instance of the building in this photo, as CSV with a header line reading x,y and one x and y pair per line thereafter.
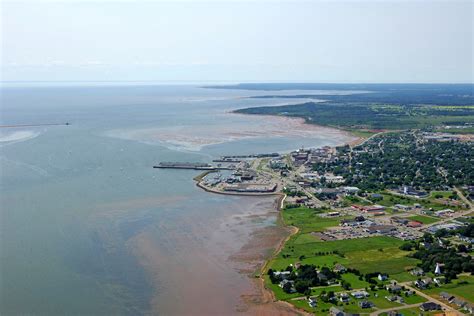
x,y
437,269
282,274
402,207
414,224
312,301
407,190
395,298
360,294
381,229
382,277
417,272
393,288
350,190
339,268
366,304
430,306
343,297
423,284
333,311
444,213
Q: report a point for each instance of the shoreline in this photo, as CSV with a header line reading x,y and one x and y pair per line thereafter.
x,y
356,140
267,302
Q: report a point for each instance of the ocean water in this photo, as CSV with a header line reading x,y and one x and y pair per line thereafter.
x,y
87,226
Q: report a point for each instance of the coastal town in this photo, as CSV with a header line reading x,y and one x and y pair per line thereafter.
x,y
379,229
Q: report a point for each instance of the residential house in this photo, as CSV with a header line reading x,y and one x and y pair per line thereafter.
x,y
458,302
344,297
333,311
395,298
417,272
360,294
339,268
366,304
382,277
446,296
393,288
430,306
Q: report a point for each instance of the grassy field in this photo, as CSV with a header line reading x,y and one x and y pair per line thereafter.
x,y
465,291
372,254
423,219
377,297
390,200
308,220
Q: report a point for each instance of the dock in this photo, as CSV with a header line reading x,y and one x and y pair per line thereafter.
x,y
189,165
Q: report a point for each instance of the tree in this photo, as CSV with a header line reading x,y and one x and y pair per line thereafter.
x,y
287,287
301,286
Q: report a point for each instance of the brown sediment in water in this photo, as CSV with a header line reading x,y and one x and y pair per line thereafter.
x,y
205,265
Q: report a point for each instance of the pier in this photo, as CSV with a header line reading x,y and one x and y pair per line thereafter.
x,y
34,125
189,165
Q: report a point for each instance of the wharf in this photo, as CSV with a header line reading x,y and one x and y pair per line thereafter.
x,y
188,165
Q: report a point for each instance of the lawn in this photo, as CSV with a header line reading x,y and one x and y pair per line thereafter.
x,y
370,254
465,291
308,220
390,200
423,219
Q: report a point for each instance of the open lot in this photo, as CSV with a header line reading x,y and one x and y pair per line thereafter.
x,y
423,219
462,287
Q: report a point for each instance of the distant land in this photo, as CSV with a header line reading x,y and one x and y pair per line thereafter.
x,y
376,106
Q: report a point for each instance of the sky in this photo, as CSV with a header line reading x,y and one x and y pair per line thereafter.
x,y
239,41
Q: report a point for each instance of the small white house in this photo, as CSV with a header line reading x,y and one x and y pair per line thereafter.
x,y
382,277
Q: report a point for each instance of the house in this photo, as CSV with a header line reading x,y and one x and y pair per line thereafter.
x,y
417,272
446,296
360,294
382,277
458,302
339,268
312,301
430,306
344,297
366,304
423,284
395,298
469,308
393,288
439,280
282,274
409,293
333,311
394,313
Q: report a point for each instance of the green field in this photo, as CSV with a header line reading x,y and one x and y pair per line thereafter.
x,y
423,219
465,291
308,220
390,200
377,297
372,254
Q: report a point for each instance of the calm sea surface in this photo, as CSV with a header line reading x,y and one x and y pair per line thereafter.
x,y
87,226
